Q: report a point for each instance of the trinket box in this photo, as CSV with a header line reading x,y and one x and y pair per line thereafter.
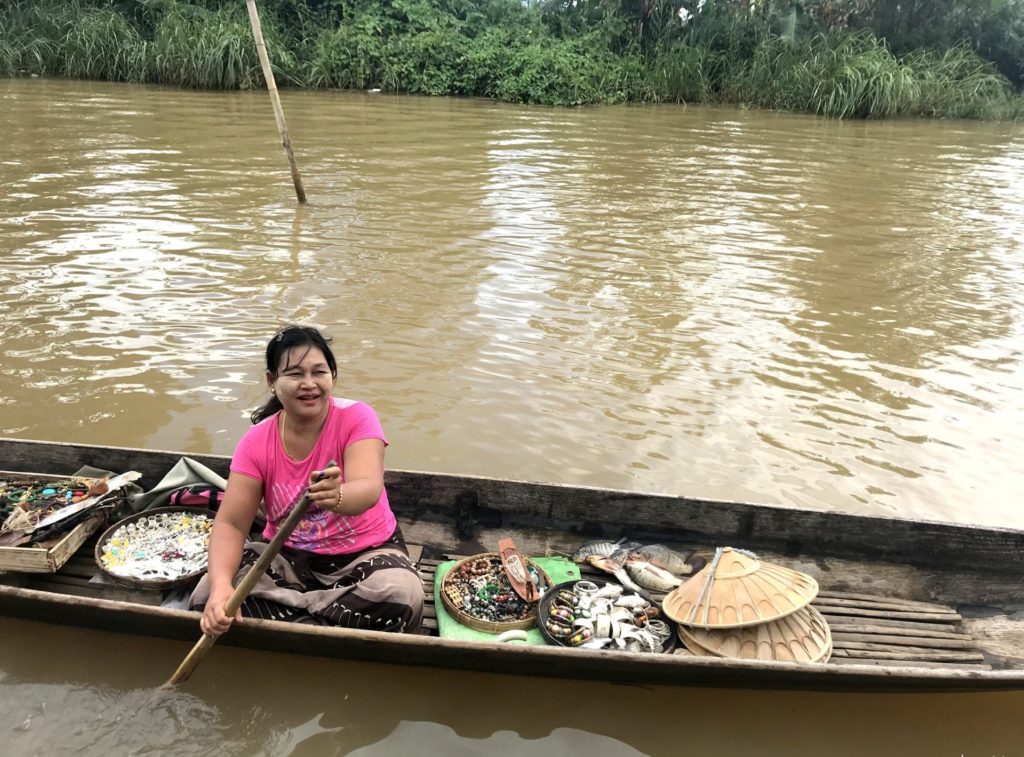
x,y
51,553
477,593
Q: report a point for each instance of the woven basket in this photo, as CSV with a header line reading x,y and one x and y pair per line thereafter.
x,y
489,626
157,584
742,591
803,636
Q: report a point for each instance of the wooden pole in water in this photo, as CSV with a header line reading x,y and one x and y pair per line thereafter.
x,y
268,74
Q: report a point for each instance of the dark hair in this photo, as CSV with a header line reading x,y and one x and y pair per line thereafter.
x,y
279,345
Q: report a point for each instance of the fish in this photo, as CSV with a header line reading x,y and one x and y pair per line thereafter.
x,y
652,577
615,568
601,548
667,559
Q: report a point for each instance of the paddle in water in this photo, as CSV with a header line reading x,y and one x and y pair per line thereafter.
x,y
192,660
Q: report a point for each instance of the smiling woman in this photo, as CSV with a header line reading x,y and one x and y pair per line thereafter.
x,y
346,562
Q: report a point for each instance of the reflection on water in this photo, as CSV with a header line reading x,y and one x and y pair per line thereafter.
x,y
97,696
712,302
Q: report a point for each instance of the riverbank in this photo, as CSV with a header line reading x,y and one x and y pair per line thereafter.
x,y
502,50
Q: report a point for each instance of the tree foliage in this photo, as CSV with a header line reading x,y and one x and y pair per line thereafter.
x,y
845,58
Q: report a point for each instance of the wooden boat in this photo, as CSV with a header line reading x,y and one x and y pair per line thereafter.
x,y
913,605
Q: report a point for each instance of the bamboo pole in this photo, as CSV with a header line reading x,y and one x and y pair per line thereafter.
x,y
201,647
268,74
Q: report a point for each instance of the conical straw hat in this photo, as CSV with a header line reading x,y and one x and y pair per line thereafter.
x,y
736,589
691,645
802,636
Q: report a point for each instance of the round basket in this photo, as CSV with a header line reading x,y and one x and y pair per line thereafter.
x,y
158,584
479,624
736,590
803,636
549,597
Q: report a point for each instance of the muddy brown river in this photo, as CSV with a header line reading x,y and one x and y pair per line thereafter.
x,y
712,302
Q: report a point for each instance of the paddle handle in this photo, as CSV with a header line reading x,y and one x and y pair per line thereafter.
x,y
194,657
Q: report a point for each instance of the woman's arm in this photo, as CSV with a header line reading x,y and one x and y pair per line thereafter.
x,y
227,538
364,480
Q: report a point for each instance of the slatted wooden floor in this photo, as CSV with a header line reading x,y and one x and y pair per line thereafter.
x,y
866,629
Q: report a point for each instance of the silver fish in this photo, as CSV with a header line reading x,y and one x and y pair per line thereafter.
x,y
614,567
651,576
664,558
603,548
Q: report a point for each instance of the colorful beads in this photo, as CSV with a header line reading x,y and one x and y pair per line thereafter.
x,y
480,588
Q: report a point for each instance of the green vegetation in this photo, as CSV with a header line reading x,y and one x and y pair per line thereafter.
x,y
840,58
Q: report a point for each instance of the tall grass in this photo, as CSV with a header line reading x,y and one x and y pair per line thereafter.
x,y
102,44
196,47
557,53
843,75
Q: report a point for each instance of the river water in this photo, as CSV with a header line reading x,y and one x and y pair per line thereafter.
x,y
713,302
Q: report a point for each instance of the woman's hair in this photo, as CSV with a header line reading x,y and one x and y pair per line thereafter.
x,y
279,345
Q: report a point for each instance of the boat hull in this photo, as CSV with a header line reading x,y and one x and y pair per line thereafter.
x,y
915,563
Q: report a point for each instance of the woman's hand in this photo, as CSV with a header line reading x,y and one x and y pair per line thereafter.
x,y
214,622
324,487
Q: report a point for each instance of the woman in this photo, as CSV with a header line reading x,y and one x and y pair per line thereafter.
x,y
346,562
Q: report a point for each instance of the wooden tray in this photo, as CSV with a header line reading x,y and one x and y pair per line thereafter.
x,y
161,584
479,624
50,555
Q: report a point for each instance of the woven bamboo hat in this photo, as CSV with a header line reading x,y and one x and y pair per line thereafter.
x,y
736,589
802,636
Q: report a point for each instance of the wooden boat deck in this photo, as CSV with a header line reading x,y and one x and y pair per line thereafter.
x,y
866,629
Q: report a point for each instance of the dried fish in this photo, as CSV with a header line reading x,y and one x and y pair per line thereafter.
x,y
667,559
651,576
596,548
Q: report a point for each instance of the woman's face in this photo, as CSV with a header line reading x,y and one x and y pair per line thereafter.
x,y
303,382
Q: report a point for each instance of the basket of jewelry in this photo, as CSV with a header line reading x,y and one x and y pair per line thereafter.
x,y
596,614
160,549
478,593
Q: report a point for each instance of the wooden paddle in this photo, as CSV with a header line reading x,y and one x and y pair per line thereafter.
x,y
192,660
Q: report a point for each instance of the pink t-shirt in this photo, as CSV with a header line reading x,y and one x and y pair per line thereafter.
x,y
260,455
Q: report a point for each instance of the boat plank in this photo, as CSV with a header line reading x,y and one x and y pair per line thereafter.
x,y
837,600
918,664
871,598
902,644
95,591
904,656
848,640
836,610
888,623
869,628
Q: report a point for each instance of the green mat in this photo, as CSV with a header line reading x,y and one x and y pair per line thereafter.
x,y
558,568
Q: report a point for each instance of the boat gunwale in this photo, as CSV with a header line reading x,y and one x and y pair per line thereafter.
x,y
521,659
469,503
